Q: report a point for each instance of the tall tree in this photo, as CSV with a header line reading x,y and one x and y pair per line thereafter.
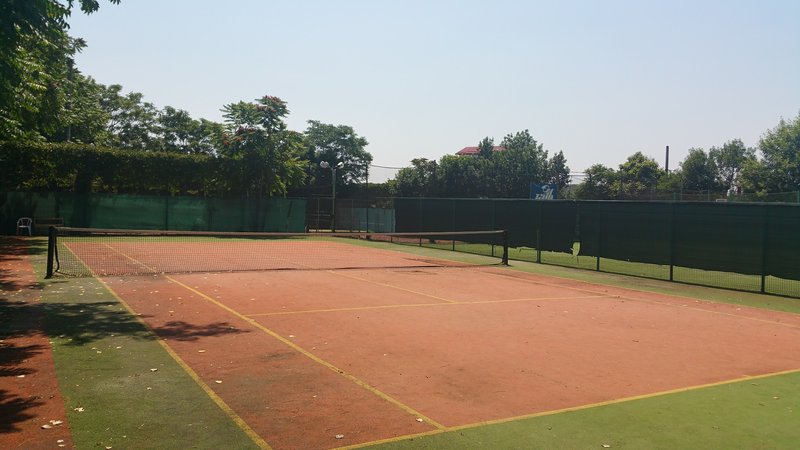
x,y
336,144
523,162
179,133
486,147
699,171
598,184
558,171
35,56
730,159
418,180
636,176
780,147
270,156
133,123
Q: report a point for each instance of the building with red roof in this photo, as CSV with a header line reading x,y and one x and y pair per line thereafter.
x,y
472,151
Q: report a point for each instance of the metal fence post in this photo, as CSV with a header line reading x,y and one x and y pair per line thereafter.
x,y
539,233
764,247
672,243
599,240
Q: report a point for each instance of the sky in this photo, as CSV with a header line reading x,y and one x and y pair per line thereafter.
x,y
598,80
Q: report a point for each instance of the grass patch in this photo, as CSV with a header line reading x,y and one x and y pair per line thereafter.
x,y
104,360
754,414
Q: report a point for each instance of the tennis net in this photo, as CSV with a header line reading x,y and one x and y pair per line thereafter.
x,y
78,252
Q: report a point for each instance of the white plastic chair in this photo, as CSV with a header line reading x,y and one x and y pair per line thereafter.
x,y
25,223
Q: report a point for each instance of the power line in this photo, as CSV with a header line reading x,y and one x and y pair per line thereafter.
x,y
385,167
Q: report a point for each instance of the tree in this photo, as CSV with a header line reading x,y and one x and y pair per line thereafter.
x,y
35,57
730,159
467,176
336,144
780,147
558,171
523,162
269,155
637,175
84,118
132,123
180,133
486,147
419,180
598,184
699,171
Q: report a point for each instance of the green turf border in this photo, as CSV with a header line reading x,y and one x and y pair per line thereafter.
x,y
121,388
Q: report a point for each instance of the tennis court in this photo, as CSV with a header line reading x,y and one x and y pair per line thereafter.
x,y
382,343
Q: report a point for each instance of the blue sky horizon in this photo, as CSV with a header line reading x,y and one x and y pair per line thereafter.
x,y
596,80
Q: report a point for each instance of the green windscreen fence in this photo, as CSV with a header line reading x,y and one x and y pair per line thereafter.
x,y
734,245
144,212
638,232
725,238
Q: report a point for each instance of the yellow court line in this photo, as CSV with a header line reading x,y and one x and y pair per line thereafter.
x,y
393,287
299,349
313,357
626,297
258,440
572,408
417,305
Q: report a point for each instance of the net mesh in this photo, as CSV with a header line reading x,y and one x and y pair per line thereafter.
x,y
79,252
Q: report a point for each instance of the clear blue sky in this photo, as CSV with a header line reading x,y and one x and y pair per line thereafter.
x,y
599,80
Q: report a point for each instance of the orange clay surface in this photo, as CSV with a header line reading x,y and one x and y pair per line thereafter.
x,y
306,356
29,395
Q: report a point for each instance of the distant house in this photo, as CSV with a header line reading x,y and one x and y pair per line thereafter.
x,y
472,151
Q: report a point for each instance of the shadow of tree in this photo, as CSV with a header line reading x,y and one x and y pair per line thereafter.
x,y
73,324
184,331
14,248
12,356
13,410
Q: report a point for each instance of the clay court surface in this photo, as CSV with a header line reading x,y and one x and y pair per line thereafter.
x,y
302,356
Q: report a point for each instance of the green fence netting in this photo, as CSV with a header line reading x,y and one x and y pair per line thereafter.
x,y
736,245
144,212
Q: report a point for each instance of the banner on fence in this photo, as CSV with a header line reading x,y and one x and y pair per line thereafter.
x,y
544,191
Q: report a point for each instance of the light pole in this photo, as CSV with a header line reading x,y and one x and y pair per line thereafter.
x,y
325,165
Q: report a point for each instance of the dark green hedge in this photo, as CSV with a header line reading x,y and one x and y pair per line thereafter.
x,y
85,168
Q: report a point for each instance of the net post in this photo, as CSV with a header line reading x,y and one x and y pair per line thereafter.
x,y
51,251
505,247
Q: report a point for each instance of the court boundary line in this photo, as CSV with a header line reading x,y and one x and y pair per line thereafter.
x,y
741,379
301,350
363,384
249,432
441,428
655,302
417,305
